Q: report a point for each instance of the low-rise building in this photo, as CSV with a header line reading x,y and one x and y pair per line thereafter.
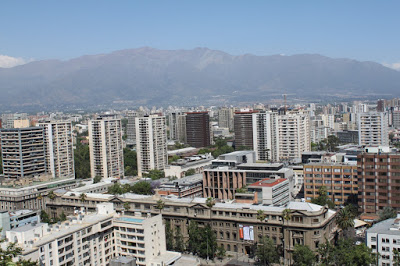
x,y
14,219
180,167
186,187
383,238
271,191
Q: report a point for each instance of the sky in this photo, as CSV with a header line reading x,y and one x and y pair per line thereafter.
x,y
361,30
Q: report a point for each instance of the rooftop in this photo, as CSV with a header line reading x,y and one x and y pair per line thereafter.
x,y
389,227
268,182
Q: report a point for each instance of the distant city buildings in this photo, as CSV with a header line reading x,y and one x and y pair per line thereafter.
x,y
151,143
106,148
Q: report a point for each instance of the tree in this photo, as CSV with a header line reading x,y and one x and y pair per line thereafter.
x,y
142,188
323,199
179,244
329,144
81,160
241,190
96,179
303,256
63,217
387,213
345,220
189,172
44,217
221,252
203,151
130,162
82,197
173,159
266,252
210,202
169,238
194,237
115,189
127,206
396,257
160,205
51,195
208,242
155,174
261,215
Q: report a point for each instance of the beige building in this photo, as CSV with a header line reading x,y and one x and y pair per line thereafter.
x,y
59,148
151,143
373,128
21,123
106,148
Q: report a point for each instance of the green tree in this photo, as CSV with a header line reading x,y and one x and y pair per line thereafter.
x,y
387,213
173,158
208,242
44,217
142,188
396,257
63,217
303,256
261,215
115,189
329,144
323,198
160,205
345,220
169,238
82,197
194,237
210,202
347,253
222,150
130,162
190,172
127,206
267,252
203,151
81,160
179,244
221,252
51,195
155,174
96,179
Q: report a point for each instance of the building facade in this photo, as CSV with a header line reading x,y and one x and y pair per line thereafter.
x,y
106,147
130,127
225,118
59,148
198,133
151,143
373,128
23,152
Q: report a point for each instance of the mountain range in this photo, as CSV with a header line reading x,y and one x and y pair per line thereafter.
x,y
150,76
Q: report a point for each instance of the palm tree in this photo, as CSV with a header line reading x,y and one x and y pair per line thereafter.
x,y
40,197
51,195
82,197
345,220
286,216
127,207
160,205
260,215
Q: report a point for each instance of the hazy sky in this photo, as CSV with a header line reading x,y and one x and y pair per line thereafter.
x,y
362,30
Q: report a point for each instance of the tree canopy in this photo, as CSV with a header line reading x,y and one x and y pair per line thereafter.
x,y
387,213
267,252
303,256
130,162
323,198
81,160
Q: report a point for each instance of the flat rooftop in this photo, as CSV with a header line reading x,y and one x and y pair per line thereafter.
x,y
268,182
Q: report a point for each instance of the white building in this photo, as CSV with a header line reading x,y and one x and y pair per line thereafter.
x,y
263,134
271,191
151,143
292,136
384,238
59,148
373,128
94,239
106,149
130,127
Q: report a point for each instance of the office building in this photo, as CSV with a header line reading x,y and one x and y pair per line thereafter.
x,y
151,143
340,180
23,152
177,126
347,136
198,131
185,187
243,127
373,128
106,148
8,119
59,148
396,119
378,181
271,191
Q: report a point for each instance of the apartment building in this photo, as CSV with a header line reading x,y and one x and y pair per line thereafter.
x,y
198,131
384,238
310,224
177,126
378,181
151,143
186,187
292,136
243,127
225,118
94,239
373,128
271,191
340,180
130,127
8,119
106,147
23,152
59,148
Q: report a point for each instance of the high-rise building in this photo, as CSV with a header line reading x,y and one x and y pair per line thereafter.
x,y
151,143
396,119
23,152
292,136
59,148
177,126
198,129
105,145
243,127
378,181
373,128
130,127
225,118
